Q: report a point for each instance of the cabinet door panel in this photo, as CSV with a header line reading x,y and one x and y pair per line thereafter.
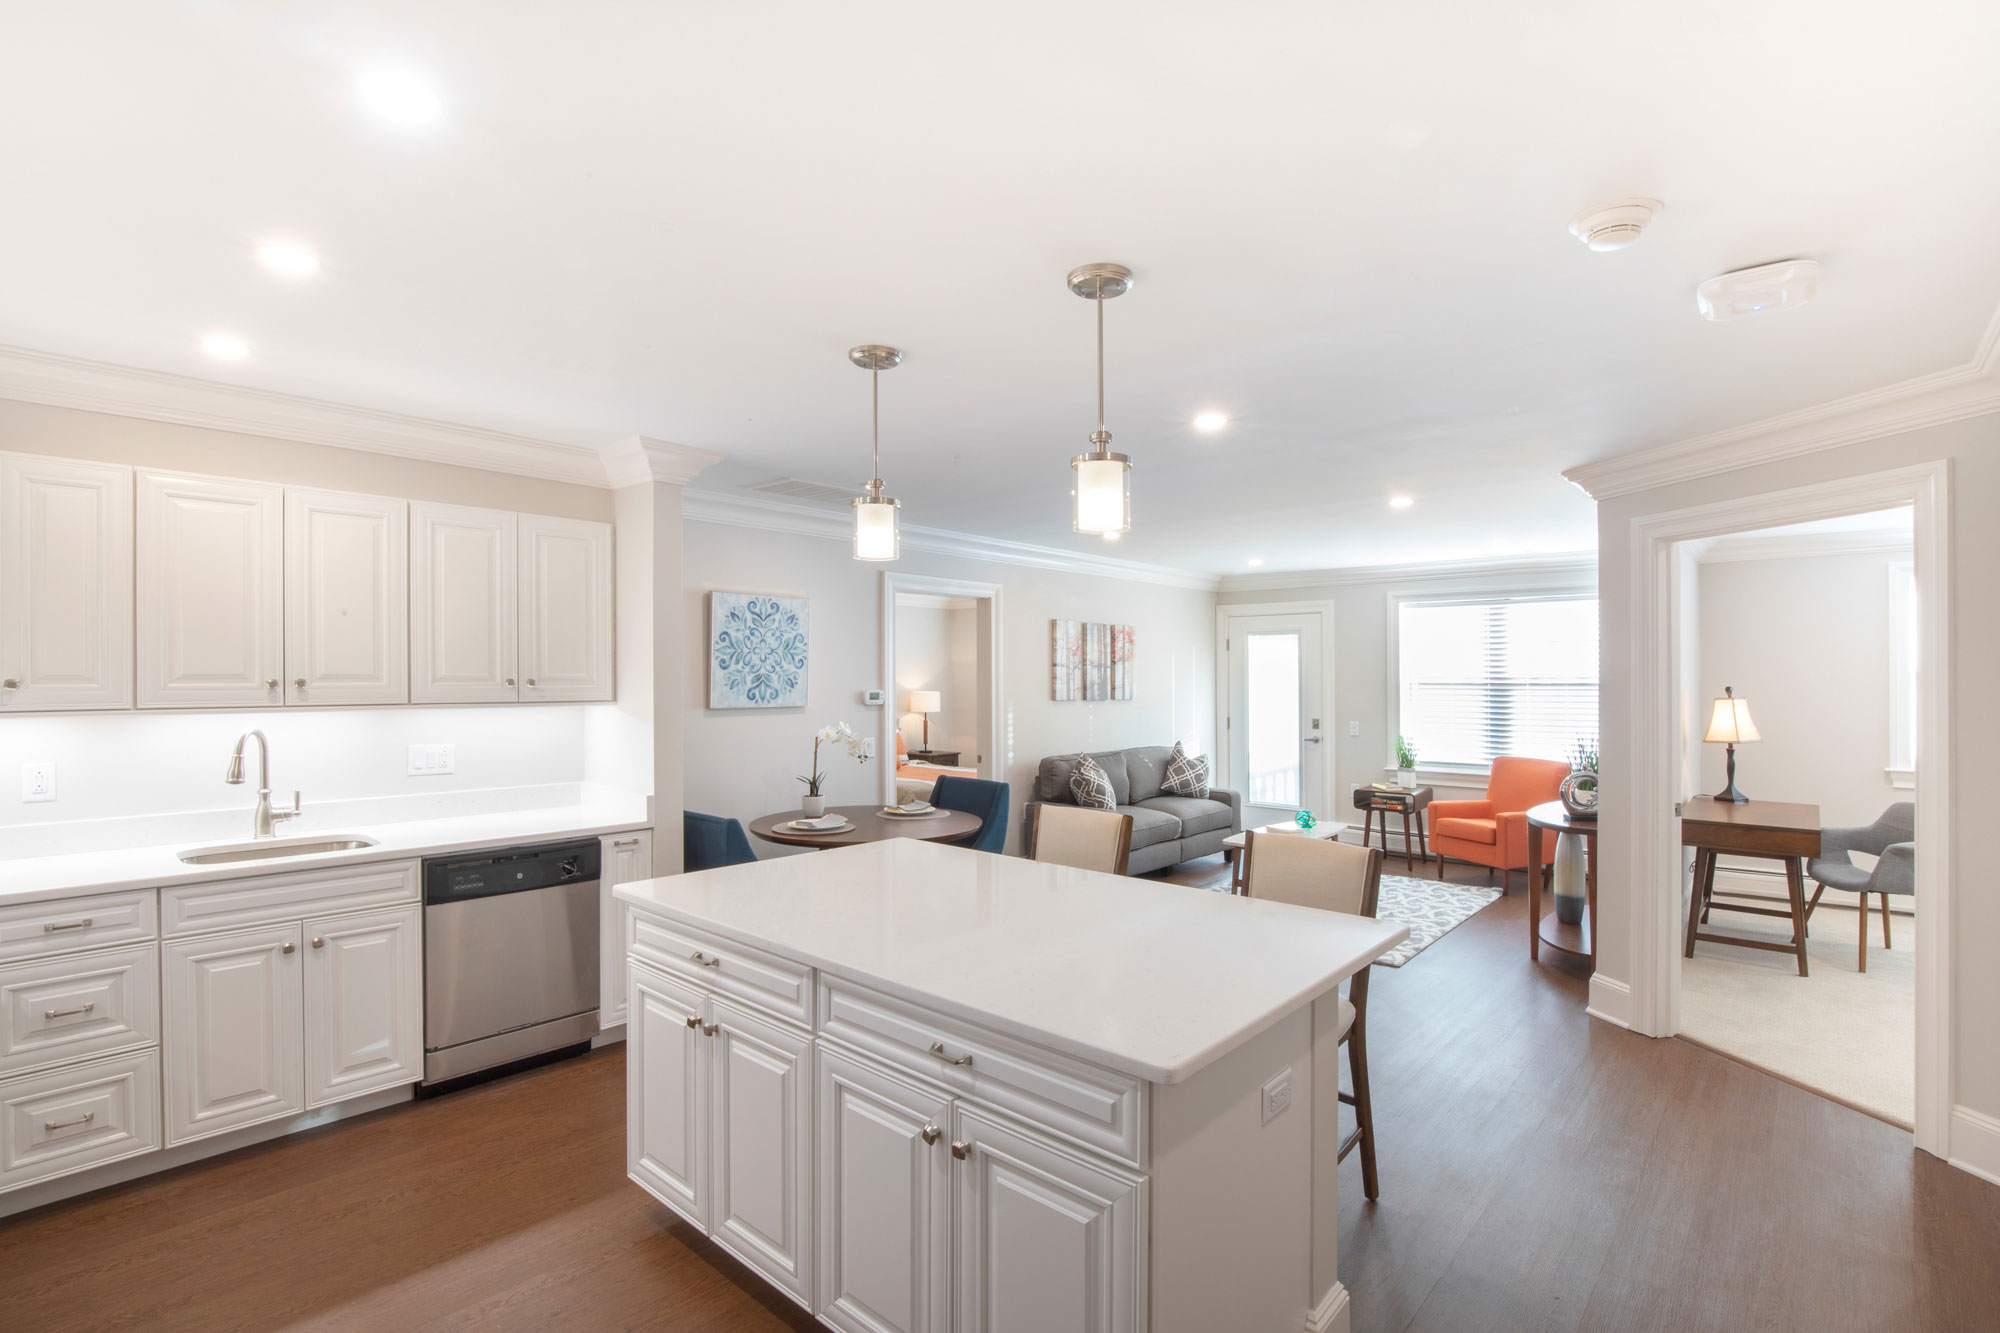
x,y
211,593
464,631
1048,1242
760,1119
235,1031
666,1107
364,1007
565,609
884,1201
627,857
65,584
346,599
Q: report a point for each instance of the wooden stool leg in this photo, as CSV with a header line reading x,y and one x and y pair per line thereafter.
x,y
1408,862
1795,883
1364,1107
1863,954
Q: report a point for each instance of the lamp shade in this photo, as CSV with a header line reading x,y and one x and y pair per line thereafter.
x,y
925,701
1103,493
875,536
1730,724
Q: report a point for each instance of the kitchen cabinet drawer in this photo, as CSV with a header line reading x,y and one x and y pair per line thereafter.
x,y
1094,1106
196,909
776,984
54,1010
66,925
78,1116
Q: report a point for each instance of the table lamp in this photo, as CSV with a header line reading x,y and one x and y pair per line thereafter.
x,y
1730,725
926,702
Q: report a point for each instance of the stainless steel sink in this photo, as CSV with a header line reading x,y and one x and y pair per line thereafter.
x,y
267,849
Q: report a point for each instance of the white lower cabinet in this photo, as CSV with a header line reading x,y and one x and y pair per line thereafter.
x,y
79,1116
235,1030
666,1111
363,1004
626,857
760,1145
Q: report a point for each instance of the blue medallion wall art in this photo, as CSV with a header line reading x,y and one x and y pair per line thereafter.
x,y
756,650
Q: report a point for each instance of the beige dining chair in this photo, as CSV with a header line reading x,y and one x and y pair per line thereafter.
x,y
1069,835
1334,877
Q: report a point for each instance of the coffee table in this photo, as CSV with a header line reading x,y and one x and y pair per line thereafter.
x,y
1233,845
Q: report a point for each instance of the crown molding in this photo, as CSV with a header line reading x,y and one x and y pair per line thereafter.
x,y
1568,566
636,460
1803,545
1936,399
744,511
94,386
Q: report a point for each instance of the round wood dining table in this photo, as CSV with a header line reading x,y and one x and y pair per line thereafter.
x,y
867,823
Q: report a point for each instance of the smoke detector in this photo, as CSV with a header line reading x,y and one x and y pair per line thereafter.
x,y
1615,225
1755,291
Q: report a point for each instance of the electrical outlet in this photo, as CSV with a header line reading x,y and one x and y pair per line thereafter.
x,y
428,761
38,780
1354,728
1278,1095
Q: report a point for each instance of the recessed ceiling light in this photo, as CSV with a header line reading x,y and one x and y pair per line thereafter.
x,y
1209,422
1755,291
1401,501
401,96
225,347
1254,561
294,261
1614,225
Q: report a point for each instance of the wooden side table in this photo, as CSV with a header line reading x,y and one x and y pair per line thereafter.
x,y
942,758
1774,830
1409,801
1580,939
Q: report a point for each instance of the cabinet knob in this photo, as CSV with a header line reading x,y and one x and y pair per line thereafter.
x,y
531,682
693,1022
286,947
271,684
300,682
961,1149
709,1029
510,680
10,684
318,943
932,1133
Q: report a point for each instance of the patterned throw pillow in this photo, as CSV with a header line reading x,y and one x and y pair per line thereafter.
x,y
1090,786
1186,776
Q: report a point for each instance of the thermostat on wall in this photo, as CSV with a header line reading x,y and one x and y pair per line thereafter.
x,y
873,698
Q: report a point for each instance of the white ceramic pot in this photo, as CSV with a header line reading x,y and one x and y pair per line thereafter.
x,y
814,806
1406,777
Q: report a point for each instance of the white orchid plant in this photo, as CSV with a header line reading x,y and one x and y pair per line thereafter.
x,y
833,733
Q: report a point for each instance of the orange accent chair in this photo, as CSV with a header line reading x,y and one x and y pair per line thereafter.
x,y
1494,832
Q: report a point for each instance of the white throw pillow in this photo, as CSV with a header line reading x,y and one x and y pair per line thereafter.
x,y
1090,786
1186,776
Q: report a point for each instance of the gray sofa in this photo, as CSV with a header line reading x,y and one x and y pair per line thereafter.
x,y
1166,829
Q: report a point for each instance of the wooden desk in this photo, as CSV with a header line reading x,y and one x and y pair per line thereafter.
x,y
1580,939
867,823
1773,830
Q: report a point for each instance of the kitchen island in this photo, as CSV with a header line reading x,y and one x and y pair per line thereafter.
x,y
918,1087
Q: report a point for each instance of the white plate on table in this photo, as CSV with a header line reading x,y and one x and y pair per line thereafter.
x,y
899,812
834,824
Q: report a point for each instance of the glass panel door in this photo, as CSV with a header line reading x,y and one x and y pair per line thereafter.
x,y
1273,728
1271,717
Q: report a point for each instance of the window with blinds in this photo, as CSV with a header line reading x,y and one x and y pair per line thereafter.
x,y
1497,676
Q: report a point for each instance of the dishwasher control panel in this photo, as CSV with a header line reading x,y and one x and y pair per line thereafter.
x,y
510,870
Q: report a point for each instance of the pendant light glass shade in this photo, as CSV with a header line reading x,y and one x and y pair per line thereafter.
x,y
875,534
1103,480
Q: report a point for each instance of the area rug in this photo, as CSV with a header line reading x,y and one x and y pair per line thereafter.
x,y
1429,908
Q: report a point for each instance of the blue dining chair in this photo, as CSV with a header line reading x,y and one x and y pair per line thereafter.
x,y
976,796
711,841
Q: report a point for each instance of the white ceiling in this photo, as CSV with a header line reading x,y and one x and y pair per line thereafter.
x,y
1347,224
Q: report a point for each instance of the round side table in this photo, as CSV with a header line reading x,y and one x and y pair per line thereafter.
x,y
1580,939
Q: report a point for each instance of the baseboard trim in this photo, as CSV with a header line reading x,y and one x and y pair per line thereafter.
x,y
1331,1314
1975,1143
1610,1000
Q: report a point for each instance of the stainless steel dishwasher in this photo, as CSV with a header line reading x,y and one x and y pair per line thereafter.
x,y
510,955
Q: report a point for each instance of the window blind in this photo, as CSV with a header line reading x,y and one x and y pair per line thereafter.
x,y
1498,676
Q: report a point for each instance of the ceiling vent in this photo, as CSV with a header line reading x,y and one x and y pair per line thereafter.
x,y
1615,225
791,488
1756,291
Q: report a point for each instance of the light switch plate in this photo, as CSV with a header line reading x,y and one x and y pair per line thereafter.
x,y
1278,1095
1354,728
429,761
38,780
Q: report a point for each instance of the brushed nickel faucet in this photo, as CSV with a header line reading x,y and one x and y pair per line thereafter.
x,y
265,819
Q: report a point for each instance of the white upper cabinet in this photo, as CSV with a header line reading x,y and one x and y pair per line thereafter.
x,y
565,609
346,599
65,584
211,593
464,632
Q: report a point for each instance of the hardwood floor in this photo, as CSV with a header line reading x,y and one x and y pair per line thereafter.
x,y
1539,1171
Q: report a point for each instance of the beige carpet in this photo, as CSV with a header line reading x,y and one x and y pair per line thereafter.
x,y
1851,1035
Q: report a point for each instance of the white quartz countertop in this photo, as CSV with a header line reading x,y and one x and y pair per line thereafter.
x,y
30,878
1153,980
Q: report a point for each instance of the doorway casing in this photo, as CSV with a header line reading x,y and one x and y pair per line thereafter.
x,y
1650,856
992,721
1225,744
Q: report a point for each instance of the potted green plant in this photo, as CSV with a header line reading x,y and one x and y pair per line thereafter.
x,y
1406,761
833,733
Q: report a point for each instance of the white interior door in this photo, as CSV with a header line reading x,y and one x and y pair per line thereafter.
x,y
1276,740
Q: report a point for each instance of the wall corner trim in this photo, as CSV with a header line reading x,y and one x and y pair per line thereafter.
x,y
1975,1143
1610,1000
1936,399
1331,1314
638,459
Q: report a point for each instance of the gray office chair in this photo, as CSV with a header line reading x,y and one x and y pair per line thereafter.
x,y
1892,840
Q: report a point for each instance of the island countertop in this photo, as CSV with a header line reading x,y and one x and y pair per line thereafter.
x,y
1153,980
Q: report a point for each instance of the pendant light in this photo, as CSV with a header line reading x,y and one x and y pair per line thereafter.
x,y
1103,479
875,536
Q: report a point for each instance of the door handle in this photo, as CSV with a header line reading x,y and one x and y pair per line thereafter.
x,y
1309,740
